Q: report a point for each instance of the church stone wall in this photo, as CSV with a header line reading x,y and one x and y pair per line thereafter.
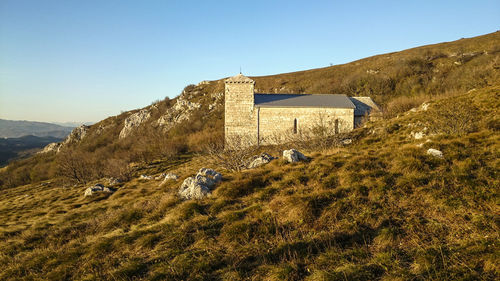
x,y
277,124
240,114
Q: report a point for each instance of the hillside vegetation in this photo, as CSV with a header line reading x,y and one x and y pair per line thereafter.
x,y
380,208
397,81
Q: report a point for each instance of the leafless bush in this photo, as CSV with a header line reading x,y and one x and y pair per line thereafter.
x,y
454,118
75,166
118,168
234,155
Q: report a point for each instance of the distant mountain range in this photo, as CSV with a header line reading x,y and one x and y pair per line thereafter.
x,y
16,148
16,129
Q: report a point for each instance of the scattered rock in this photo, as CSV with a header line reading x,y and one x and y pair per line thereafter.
x,y
424,106
134,121
346,141
200,185
260,160
159,177
435,152
97,189
422,144
171,176
417,135
145,177
293,155
113,181
167,176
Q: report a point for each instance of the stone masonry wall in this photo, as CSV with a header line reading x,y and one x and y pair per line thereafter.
x,y
277,124
240,122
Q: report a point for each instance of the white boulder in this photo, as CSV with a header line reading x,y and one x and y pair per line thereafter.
x,y
200,185
435,152
293,155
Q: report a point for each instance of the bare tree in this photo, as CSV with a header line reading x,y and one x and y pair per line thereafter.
x,y
74,166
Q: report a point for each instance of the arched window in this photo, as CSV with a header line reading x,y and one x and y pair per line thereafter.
x,y
295,125
336,126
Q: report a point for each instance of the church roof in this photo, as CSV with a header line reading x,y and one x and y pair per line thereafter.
x,y
239,78
364,105
302,100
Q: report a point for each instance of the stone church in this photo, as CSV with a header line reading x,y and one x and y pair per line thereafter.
x,y
262,119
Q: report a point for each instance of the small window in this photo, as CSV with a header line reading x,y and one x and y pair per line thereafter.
x,y
336,126
295,125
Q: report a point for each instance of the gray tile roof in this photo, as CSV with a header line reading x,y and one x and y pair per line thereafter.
x,y
302,100
364,105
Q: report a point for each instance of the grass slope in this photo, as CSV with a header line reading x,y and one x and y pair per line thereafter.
x,y
380,209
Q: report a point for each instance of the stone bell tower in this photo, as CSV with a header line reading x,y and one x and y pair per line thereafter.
x,y
240,125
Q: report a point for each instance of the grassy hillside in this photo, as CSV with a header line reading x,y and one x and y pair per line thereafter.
x,y
380,209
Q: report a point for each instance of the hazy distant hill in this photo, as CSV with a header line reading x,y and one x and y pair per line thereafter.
x,y
16,129
12,148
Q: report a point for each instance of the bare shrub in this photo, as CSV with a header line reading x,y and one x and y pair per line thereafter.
x,y
234,155
118,168
454,118
75,166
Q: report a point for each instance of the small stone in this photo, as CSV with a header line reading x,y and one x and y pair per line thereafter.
x,y
145,177
346,141
96,189
113,181
435,152
418,135
260,160
293,155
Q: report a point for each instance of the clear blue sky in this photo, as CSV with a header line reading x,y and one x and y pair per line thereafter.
x,y
75,60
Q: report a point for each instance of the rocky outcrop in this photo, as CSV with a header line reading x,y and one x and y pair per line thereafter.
x,y
98,188
76,135
260,160
133,121
293,155
180,111
51,147
200,185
